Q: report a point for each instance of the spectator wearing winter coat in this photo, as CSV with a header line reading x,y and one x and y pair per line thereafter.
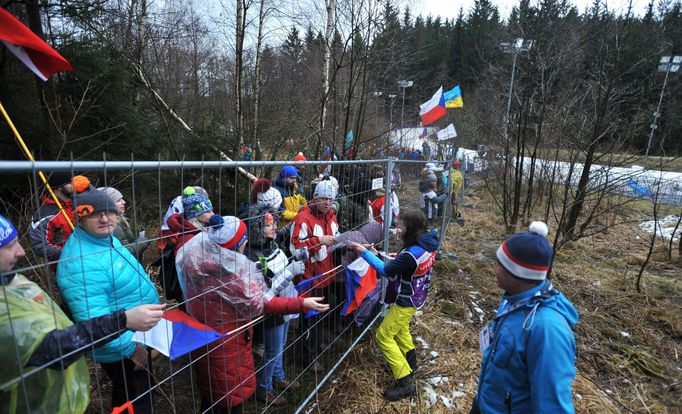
x,y
426,150
197,209
36,330
50,227
409,278
293,199
315,229
187,215
429,201
166,235
96,276
226,291
135,242
262,192
528,349
272,262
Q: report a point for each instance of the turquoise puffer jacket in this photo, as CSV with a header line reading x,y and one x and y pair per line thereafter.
x,y
97,276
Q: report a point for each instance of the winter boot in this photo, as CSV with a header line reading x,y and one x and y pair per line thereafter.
x,y
411,357
403,389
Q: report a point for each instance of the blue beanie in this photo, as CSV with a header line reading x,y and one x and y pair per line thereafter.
x,y
289,171
527,255
7,231
194,203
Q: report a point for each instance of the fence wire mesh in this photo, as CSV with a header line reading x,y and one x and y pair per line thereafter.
x,y
165,251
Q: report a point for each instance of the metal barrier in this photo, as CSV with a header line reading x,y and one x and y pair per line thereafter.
x,y
148,186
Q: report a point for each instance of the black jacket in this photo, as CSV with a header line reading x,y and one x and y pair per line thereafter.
x,y
62,347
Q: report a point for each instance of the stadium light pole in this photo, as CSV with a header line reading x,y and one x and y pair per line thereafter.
x,y
403,84
377,94
667,64
519,46
392,97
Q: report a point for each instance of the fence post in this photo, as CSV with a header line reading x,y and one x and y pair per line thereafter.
x,y
387,220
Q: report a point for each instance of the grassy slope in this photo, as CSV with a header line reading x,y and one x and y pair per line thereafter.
x,y
639,373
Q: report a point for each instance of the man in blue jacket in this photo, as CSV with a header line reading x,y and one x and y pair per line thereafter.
x,y
96,276
528,349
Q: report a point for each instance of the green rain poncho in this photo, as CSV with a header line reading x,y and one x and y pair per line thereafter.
x,y
27,314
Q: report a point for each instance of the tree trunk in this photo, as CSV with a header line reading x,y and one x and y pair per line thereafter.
x,y
256,80
238,71
325,68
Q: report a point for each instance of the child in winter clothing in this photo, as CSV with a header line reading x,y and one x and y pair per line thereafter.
x,y
409,281
529,348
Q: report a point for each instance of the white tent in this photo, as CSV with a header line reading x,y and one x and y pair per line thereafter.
x,y
414,137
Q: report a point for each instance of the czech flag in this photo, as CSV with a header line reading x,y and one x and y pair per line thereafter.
x,y
361,279
29,48
177,334
453,98
434,109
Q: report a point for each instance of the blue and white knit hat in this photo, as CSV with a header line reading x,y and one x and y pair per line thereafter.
x,y
528,254
7,231
194,203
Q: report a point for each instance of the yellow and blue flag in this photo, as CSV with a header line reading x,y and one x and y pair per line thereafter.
x,y
453,98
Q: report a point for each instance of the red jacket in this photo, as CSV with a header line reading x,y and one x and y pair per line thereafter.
x,y
50,229
309,225
225,301
183,231
378,208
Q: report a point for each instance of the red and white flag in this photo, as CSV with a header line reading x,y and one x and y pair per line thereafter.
x,y
29,48
434,109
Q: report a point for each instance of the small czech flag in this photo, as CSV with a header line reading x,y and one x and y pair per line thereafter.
x,y
177,334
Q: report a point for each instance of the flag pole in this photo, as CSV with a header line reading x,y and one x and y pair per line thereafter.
x,y
30,157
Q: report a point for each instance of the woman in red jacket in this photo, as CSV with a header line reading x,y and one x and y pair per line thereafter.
x,y
226,291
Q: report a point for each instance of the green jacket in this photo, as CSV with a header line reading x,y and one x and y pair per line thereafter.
x,y
33,314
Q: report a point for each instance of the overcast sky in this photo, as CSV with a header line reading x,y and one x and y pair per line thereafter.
x,y
450,8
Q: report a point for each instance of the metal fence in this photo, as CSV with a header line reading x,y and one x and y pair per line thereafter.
x,y
187,384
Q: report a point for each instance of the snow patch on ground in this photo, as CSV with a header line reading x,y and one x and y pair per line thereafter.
x,y
422,342
432,396
665,227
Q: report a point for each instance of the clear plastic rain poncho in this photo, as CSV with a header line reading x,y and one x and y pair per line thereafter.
x,y
27,314
215,279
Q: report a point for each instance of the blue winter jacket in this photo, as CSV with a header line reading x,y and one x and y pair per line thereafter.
x,y
97,276
530,363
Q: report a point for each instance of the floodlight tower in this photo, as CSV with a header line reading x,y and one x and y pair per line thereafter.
x,y
667,64
519,46
391,96
403,84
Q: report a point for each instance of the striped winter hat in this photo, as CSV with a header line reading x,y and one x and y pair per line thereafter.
x,y
228,231
528,254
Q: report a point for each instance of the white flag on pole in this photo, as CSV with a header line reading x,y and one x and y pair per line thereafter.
x,y
447,133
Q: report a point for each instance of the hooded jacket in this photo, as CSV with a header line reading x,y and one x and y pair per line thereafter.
x,y
293,199
183,230
50,229
309,225
97,276
225,291
410,273
530,363
269,257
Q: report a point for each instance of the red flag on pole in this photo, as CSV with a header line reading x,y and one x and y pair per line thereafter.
x,y
29,48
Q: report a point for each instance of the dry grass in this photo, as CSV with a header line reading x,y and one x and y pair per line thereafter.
x,y
629,344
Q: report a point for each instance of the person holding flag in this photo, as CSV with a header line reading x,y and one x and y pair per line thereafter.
x,y
96,266
35,328
409,276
